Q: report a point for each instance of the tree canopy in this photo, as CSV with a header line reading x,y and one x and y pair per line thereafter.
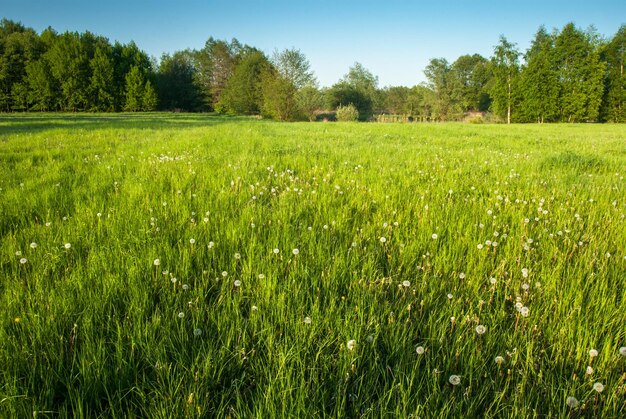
x,y
567,75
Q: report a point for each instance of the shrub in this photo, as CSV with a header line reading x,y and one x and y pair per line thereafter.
x,y
347,113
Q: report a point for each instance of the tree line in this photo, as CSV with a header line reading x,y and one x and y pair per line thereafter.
x,y
567,75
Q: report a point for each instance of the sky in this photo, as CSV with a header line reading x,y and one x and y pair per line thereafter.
x,y
394,39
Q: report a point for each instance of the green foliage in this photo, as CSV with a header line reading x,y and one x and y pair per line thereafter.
x,y
310,101
614,55
134,90
93,329
279,97
348,113
243,93
150,100
177,89
101,86
505,80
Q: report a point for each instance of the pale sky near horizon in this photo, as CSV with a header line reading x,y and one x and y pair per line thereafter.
x,y
394,39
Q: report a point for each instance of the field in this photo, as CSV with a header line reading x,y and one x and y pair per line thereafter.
x,y
192,266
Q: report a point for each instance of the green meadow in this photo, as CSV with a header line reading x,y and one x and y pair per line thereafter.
x,y
161,265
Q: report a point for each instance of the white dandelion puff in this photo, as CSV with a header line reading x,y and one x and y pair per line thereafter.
x,y
197,332
307,320
455,380
622,351
420,350
23,261
571,402
480,329
599,387
157,262
33,245
351,344
406,283
499,360
67,245
434,236
295,252
593,353
383,240
192,241
181,315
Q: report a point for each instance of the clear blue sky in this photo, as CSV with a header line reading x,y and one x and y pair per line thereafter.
x,y
394,39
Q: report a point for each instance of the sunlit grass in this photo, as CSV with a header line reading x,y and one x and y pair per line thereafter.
x,y
310,269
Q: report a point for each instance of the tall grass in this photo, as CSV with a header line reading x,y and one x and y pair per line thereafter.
x,y
149,268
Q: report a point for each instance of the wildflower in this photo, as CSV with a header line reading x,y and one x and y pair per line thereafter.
x,y
454,380
67,245
493,281
434,236
420,350
210,245
307,320
192,241
571,402
157,262
237,256
197,332
276,251
351,344
185,287
599,387
525,311
479,246
462,275
593,353
525,272
480,329
18,253
499,360
254,308
406,283
622,351
450,296
383,240
173,280
224,274
181,315
525,287
295,252
23,261
237,283
33,245
261,276
48,224
589,370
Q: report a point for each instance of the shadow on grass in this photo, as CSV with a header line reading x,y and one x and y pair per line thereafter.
x,y
30,122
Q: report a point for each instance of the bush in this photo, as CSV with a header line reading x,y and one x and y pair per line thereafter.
x,y
347,113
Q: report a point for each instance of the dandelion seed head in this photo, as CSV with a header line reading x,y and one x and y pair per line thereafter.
x,y
455,380
224,274
307,320
276,251
383,240
23,261
593,353
480,329
462,275
237,283
406,283
181,315
420,350
33,245
434,236
295,251
237,256
67,245
173,279
622,351
499,360
599,387
351,344
210,245
525,311
197,332
192,241
261,276
589,370
571,402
